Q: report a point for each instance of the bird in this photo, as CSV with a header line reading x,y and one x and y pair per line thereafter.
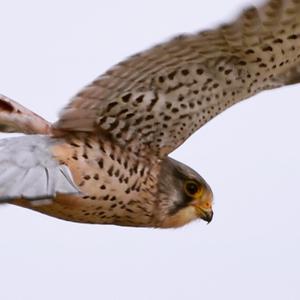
x,y
106,159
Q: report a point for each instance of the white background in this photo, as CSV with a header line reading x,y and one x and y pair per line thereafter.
x,y
249,155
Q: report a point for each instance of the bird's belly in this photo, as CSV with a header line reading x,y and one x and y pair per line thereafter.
x,y
116,188
78,209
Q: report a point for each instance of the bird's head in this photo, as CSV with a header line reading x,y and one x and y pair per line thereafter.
x,y
183,195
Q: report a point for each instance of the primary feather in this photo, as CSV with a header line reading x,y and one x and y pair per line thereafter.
x,y
156,99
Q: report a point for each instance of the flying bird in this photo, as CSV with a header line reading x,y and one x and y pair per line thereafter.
x,y
105,161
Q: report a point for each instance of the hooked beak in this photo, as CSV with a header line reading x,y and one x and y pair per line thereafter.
x,y
203,206
207,216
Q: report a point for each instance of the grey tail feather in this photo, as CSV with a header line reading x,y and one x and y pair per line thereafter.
x,y
28,170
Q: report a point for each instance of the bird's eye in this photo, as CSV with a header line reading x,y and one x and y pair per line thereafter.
x,y
191,188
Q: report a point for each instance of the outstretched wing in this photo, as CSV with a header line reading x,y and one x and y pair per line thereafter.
x,y
156,99
16,118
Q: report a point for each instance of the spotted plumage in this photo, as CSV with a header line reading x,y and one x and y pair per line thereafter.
x,y
114,137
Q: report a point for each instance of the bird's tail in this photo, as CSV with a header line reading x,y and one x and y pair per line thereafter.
x,y
29,171
16,118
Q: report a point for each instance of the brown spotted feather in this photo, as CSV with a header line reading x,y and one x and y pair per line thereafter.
x,y
156,99
115,134
116,186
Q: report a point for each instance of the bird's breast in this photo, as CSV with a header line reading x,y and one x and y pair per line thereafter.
x,y
117,187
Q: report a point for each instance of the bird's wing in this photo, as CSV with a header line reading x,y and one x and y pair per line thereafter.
x,y
16,118
156,99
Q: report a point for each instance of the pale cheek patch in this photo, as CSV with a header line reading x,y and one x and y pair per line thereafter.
x,y
182,217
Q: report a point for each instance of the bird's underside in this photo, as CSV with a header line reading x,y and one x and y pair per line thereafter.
x,y
106,159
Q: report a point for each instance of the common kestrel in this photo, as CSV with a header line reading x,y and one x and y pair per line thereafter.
x,y
106,159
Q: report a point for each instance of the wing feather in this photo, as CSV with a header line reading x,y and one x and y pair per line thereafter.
x,y
16,118
155,100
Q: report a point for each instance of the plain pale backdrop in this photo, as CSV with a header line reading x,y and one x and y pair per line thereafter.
x,y
249,155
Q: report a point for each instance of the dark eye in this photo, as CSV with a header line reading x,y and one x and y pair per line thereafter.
x,y
191,188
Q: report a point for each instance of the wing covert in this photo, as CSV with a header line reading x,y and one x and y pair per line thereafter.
x,y
156,99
